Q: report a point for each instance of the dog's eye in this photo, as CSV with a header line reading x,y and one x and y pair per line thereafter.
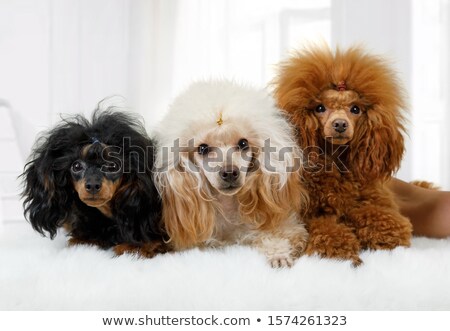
x,y
203,149
355,110
77,166
243,144
320,109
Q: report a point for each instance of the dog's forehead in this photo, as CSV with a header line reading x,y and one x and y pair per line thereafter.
x,y
225,134
93,152
339,97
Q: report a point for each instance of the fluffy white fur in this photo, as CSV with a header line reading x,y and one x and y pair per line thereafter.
x,y
39,274
263,207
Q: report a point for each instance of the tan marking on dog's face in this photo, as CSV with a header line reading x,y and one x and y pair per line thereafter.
x,y
224,152
101,199
338,105
84,151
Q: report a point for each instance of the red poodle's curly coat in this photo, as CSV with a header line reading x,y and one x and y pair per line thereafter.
x,y
347,107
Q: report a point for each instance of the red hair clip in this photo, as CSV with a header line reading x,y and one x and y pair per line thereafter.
x,y
341,86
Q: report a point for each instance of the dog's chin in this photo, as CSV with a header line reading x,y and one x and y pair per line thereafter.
x,y
228,190
95,202
338,139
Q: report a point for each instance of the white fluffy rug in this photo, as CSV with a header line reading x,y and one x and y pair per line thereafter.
x,y
39,274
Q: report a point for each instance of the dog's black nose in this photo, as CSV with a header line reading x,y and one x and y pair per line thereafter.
x,y
229,173
93,186
340,125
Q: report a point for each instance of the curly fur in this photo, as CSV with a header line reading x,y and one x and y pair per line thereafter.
x,y
51,200
351,209
264,210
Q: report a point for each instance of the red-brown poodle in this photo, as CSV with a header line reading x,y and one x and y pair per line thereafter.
x,y
347,107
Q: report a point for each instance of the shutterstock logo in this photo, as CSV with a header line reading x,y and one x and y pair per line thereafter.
x,y
129,157
317,159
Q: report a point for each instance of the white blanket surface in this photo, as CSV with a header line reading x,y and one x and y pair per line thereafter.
x,y
37,273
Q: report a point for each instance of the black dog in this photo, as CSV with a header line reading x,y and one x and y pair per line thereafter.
x,y
95,179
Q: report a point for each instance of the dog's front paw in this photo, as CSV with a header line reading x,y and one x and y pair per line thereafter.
x,y
77,241
281,261
330,239
147,250
278,251
379,241
382,229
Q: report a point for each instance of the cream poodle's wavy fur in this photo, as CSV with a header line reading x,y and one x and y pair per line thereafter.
x,y
262,207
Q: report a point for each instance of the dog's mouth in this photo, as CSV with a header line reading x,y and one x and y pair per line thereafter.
x,y
338,139
95,201
229,189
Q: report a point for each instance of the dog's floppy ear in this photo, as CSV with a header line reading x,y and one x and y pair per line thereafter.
x,y
294,101
309,135
47,198
377,146
136,202
273,192
300,80
188,218
138,208
266,201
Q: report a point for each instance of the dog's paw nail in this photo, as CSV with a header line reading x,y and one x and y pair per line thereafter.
x,y
281,262
356,262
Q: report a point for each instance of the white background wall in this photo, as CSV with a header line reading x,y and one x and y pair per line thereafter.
x,y
63,56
